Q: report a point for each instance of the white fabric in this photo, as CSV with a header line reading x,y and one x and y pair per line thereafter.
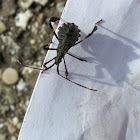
x,y
60,110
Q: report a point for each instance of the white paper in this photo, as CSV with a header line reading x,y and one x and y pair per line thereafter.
x,y
61,110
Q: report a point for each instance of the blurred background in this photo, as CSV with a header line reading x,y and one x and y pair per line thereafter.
x,y
24,31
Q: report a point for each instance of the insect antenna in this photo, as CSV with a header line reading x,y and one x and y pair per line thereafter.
x,y
27,65
73,81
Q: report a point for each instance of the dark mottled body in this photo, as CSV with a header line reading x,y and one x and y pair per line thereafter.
x,y
68,35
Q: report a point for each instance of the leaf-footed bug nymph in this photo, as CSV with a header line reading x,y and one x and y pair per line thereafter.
x,y
67,36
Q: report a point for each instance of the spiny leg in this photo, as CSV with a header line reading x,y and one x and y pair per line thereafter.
x,y
53,19
50,48
47,48
66,72
28,66
98,21
81,59
94,29
73,81
48,62
46,68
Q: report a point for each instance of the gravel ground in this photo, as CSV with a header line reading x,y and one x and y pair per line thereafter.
x,y
23,31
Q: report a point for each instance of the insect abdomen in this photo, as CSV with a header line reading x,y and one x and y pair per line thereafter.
x,y
68,34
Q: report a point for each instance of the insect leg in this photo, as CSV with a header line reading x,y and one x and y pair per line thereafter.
x,y
48,62
66,73
53,19
46,68
81,59
94,29
73,81
27,65
47,48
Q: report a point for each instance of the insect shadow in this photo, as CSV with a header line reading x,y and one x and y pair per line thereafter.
x,y
110,54
67,36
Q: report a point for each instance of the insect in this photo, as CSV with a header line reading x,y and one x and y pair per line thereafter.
x,y
67,36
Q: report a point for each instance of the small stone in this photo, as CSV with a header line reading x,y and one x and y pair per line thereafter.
x,y
26,73
2,136
11,129
19,111
13,138
2,125
52,4
12,107
27,103
41,2
15,121
10,96
40,18
25,4
2,121
10,76
22,19
19,125
13,47
7,7
32,41
4,109
21,85
36,25
60,6
2,27
34,29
